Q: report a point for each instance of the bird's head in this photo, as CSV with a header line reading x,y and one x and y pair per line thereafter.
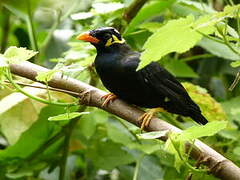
x,y
102,37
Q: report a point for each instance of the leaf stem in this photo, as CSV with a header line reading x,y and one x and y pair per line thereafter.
x,y
43,87
137,167
227,42
235,82
44,146
9,78
68,132
201,56
31,31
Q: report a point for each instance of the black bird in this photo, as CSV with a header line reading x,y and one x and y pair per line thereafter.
x,y
151,87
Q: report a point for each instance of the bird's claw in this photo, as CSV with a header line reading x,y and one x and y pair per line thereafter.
x,y
145,119
108,98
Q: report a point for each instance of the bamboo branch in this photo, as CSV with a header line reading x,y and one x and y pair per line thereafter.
x,y
219,166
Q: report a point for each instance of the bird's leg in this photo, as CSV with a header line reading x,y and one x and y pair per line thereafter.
x,y
146,117
108,98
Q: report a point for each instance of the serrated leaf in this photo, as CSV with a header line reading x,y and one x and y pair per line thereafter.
x,y
175,36
153,135
46,76
180,35
211,109
209,129
176,141
67,116
16,55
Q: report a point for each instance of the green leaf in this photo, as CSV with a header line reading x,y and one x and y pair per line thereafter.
x,y
175,36
211,109
20,7
150,168
232,108
209,129
3,61
16,55
18,113
34,137
87,124
151,26
236,151
103,8
180,35
67,116
235,64
149,10
176,141
218,49
180,69
153,135
108,155
119,134
46,76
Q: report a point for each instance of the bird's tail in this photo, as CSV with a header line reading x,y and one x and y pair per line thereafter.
x,y
199,118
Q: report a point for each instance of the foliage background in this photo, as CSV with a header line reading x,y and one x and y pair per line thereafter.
x,y
103,146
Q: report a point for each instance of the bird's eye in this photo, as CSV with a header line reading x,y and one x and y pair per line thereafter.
x,y
107,36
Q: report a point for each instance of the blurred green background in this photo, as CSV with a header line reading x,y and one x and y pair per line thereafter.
x,y
102,146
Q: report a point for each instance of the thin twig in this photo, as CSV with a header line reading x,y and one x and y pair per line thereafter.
x,y
235,82
201,56
137,167
68,132
17,87
45,145
44,87
227,42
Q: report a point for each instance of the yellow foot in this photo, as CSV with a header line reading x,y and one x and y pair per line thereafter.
x,y
108,98
145,119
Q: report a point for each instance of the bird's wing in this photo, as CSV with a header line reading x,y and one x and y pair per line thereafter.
x,y
162,82
159,79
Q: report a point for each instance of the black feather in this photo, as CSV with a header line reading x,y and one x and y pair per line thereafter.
x,y
151,87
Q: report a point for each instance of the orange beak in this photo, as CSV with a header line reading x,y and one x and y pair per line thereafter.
x,y
88,38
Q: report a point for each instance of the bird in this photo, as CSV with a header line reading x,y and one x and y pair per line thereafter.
x,y
150,87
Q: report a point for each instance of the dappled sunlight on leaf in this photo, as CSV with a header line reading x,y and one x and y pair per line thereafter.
x,y
210,108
